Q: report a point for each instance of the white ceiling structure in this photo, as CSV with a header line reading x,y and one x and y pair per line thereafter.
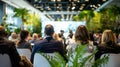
x,y
25,4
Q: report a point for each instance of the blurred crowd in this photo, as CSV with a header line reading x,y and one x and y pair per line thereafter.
x,y
105,42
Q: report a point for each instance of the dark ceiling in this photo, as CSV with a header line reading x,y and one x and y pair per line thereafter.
x,y
68,8
66,5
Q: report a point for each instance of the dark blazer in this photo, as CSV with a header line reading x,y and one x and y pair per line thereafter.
x,y
8,47
48,45
110,48
25,44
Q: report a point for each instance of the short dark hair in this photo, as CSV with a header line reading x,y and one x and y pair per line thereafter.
x,y
62,31
49,30
24,34
2,31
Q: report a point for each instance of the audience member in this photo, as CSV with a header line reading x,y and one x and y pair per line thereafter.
x,y
14,37
23,43
118,38
81,38
108,44
61,35
70,35
48,44
91,33
39,37
34,38
56,37
8,47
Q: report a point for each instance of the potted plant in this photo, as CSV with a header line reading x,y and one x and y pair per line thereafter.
x,y
78,59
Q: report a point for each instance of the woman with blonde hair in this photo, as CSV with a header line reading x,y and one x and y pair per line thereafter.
x,y
108,38
108,44
56,37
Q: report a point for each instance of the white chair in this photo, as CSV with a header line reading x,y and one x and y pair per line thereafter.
x,y
114,60
24,52
5,60
40,61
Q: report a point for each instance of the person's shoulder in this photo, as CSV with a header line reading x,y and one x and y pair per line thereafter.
x,y
56,41
8,42
40,42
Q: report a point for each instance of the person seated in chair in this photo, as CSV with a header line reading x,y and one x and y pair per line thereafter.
x,y
108,44
8,48
48,44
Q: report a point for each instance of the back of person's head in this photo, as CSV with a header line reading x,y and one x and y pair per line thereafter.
x,y
108,36
55,36
70,31
35,36
70,34
14,35
60,36
49,30
2,31
62,31
91,34
81,34
24,34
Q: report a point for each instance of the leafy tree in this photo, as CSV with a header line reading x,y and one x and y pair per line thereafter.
x,y
86,15
34,23
23,14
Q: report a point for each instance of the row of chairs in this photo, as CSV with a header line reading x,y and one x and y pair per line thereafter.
x,y
41,61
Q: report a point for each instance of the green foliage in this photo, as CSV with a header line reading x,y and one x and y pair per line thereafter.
x,y
4,17
7,28
17,30
87,15
78,59
76,18
55,61
110,18
36,25
101,61
23,14
106,18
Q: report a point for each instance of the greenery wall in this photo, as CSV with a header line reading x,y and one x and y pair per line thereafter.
x,y
30,21
106,18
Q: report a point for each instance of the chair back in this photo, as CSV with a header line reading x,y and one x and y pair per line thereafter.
x,y
113,61
41,61
25,52
5,60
